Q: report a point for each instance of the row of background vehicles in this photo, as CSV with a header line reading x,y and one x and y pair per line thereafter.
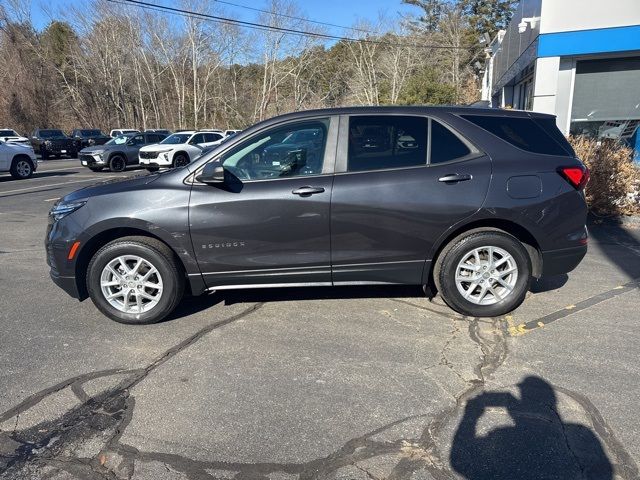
x,y
98,151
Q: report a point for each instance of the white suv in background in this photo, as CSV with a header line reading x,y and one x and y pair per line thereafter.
x,y
177,149
17,158
9,135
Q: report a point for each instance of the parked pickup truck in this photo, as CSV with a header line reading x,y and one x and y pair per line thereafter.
x,y
88,137
52,142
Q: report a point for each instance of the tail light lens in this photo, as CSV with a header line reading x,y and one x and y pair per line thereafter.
x,y
576,176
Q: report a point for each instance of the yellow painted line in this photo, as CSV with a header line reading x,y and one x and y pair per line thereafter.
x,y
569,307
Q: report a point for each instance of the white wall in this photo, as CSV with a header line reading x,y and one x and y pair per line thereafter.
x,y
571,15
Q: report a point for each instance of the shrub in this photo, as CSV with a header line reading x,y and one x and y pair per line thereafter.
x,y
614,186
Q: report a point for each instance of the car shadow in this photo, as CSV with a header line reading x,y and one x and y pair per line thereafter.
x,y
191,305
536,444
546,284
619,243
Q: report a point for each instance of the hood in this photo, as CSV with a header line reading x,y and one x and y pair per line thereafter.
x,y
109,187
10,139
18,146
96,148
156,147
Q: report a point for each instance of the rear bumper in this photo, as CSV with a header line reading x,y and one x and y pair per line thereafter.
x,y
556,262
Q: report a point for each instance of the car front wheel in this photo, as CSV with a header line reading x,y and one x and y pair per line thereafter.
x,y
135,280
21,169
483,274
117,163
180,160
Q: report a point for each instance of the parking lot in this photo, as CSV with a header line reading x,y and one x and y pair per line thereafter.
x,y
351,382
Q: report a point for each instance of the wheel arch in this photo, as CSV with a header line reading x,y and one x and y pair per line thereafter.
x,y
507,226
22,156
97,241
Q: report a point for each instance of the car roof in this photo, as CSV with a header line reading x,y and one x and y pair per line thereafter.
x,y
416,109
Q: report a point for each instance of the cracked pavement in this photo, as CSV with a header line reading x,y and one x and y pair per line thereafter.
x,y
345,383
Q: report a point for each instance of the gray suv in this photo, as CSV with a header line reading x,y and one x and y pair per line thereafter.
x,y
119,152
471,203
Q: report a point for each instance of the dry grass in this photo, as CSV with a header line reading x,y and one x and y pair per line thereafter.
x,y
614,187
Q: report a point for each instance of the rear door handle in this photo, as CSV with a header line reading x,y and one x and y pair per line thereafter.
x,y
455,178
306,191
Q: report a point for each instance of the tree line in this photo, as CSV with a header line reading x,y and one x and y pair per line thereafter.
x,y
109,64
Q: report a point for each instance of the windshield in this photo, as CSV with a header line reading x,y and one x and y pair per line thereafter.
x,y
119,140
8,133
90,133
51,133
177,138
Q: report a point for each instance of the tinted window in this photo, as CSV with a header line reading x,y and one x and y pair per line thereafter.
x,y
153,138
138,140
197,138
273,155
8,133
445,145
523,133
51,133
212,137
379,142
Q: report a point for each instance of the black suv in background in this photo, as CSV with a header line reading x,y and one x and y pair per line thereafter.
x,y
118,152
87,137
471,203
52,142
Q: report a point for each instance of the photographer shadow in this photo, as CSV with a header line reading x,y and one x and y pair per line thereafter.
x,y
539,444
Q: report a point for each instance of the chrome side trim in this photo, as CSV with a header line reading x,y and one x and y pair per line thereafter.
x,y
270,285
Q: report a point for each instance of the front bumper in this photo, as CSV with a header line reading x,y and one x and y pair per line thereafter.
x,y
158,161
91,160
68,284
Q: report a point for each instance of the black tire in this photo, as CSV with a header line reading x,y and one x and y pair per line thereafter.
x,y
160,256
444,273
180,160
117,163
21,168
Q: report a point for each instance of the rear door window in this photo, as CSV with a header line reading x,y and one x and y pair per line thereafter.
x,y
524,133
379,142
445,145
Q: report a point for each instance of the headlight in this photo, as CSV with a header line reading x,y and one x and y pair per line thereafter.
x,y
97,152
61,210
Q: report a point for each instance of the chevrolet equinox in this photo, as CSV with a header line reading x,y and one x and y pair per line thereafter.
x,y
471,203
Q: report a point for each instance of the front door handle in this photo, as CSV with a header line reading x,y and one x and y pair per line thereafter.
x,y
306,191
455,178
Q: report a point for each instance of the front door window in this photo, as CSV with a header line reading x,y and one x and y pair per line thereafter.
x,y
295,150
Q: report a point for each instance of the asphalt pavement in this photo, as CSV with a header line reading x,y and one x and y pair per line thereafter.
x,y
319,383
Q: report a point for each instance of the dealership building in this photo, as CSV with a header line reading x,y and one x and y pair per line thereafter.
x,y
576,59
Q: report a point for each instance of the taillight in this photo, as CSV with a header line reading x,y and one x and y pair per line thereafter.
x,y
576,176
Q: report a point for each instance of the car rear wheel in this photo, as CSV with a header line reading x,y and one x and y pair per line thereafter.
x,y
21,168
135,280
180,160
117,163
483,274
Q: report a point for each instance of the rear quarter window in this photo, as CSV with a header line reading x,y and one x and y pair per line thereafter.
x,y
524,133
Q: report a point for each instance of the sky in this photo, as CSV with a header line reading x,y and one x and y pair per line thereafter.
x,y
340,12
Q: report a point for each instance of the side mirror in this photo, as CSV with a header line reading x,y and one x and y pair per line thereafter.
x,y
213,172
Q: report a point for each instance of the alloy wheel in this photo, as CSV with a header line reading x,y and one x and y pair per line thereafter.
x,y
23,168
131,284
486,275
